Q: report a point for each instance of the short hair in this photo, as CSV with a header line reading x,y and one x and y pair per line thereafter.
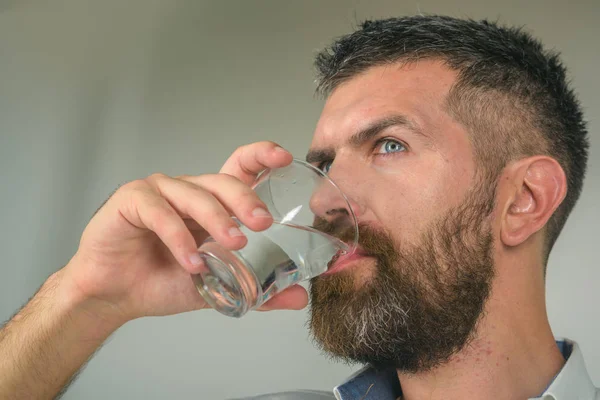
x,y
511,94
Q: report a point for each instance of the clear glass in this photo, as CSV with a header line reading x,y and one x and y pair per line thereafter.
x,y
292,250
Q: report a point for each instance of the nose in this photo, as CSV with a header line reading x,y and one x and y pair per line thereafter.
x,y
330,203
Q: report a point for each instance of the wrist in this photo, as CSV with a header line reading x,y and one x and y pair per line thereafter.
x,y
97,318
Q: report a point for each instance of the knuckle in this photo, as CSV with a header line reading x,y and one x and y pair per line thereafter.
x,y
157,177
200,181
249,198
163,218
132,192
138,184
241,149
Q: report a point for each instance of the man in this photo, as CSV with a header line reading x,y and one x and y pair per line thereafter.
x,y
463,151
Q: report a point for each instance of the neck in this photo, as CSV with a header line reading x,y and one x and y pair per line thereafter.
x,y
513,354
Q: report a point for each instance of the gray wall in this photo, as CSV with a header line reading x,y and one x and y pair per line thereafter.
x,y
96,93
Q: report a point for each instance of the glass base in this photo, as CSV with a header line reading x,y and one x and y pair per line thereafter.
x,y
227,285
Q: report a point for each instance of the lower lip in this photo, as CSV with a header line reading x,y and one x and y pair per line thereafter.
x,y
343,262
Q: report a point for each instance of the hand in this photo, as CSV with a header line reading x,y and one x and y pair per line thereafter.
x,y
136,254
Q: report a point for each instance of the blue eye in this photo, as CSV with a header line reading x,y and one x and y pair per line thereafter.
x,y
325,166
390,146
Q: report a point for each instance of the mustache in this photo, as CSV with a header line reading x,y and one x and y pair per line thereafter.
x,y
374,242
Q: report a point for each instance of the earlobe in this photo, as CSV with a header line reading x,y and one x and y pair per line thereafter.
x,y
538,188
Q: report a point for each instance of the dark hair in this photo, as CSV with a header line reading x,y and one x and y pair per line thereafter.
x,y
511,94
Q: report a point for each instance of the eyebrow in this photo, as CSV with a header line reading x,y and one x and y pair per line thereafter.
x,y
365,135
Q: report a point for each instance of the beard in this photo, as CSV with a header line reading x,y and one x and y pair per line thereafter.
x,y
421,302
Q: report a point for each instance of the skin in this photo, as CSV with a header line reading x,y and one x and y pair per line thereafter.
x,y
513,354
134,260
136,254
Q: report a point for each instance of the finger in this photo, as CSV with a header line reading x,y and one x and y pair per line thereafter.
x,y
248,161
237,197
293,298
197,203
148,210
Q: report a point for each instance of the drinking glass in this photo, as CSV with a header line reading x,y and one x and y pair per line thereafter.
x,y
303,202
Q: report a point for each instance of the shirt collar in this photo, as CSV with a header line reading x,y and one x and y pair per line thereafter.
x,y
369,383
572,382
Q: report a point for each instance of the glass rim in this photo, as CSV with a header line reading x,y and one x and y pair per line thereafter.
x,y
323,175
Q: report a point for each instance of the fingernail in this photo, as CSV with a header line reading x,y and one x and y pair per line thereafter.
x,y
195,259
260,212
280,149
235,232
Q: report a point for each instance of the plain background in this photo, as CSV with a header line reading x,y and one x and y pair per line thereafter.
x,y
97,93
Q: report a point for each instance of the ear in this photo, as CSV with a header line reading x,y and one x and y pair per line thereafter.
x,y
537,186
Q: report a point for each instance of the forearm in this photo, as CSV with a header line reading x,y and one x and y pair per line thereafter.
x,y
47,342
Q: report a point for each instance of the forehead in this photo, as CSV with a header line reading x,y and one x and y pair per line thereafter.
x,y
416,90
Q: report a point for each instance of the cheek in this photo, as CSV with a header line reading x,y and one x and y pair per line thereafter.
x,y
406,203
